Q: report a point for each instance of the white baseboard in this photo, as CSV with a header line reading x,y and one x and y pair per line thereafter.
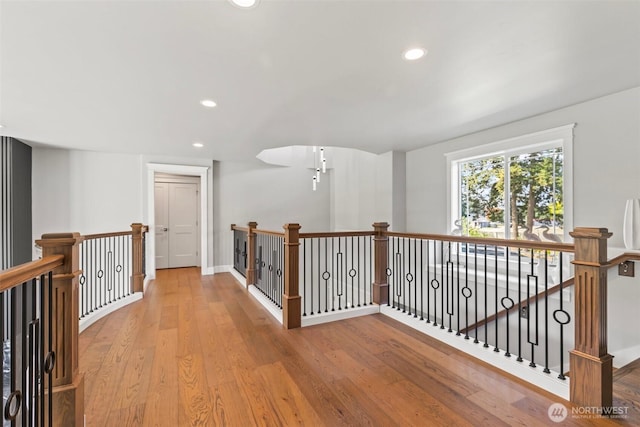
x,y
625,356
100,313
266,303
522,370
207,271
332,316
222,269
145,283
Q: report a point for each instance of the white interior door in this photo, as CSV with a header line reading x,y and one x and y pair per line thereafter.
x,y
162,224
176,221
183,225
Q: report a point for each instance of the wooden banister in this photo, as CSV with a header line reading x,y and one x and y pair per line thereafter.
x,y
137,256
381,247
21,273
67,381
590,364
103,235
291,301
251,253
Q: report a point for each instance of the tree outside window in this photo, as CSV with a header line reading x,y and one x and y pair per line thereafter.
x,y
517,196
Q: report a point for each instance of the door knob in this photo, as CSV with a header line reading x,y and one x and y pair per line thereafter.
x,y
165,229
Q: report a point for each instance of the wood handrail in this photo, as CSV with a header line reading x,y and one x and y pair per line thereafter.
x,y
235,227
511,243
336,234
112,234
504,311
627,256
269,232
27,271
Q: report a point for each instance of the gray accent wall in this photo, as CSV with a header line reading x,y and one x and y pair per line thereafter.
x,y
15,202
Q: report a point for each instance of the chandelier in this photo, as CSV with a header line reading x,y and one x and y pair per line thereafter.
x,y
319,164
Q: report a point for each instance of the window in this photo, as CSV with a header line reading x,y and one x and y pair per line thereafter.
x,y
516,189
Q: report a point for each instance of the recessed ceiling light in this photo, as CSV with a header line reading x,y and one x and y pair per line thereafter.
x,y
198,144
1,126
413,54
208,103
245,4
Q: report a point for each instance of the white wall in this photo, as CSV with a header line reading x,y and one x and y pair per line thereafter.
x,y
353,189
270,195
606,163
50,191
84,191
606,167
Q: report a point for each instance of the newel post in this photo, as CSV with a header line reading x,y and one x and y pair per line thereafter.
x,y
291,301
137,257
381,246
251,253
590,365
67,382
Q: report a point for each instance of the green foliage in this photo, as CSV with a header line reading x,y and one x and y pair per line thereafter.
x,y
535,190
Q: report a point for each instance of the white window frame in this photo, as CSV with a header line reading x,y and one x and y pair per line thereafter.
x,y
561,136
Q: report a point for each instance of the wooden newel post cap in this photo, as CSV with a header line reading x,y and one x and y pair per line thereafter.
x,y
252,224
590,233
380,226
590,245
59,239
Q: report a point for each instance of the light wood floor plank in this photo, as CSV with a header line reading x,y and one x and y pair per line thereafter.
x,y
200,351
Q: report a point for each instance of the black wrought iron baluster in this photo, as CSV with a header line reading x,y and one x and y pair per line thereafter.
x,y
435,284
360,270
370,282
428,258
397,276
443,284
25,363
339,273
304,276
535,295
15,395
457,249
406,283
332,277
319,275
475,290
562,321
466,291
415,277
3,336
449,287
352,274
495,302
41,340
546,313
486,300
34,352
392,263
520,313
421,280
507,303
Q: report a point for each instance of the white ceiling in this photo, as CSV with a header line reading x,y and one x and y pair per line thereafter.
x,y
127,76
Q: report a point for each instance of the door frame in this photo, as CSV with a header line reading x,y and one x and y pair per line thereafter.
x,y
200,171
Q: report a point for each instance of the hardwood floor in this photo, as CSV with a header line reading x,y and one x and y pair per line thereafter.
x,y
200,351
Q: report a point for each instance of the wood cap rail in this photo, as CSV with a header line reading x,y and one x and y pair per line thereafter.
x,y
103,235
336,234
30,270
525,244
